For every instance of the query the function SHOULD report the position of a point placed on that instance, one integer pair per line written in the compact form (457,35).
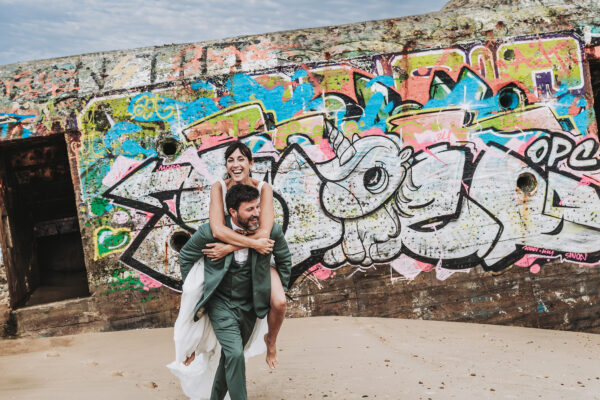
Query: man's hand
(263,245)
(216,251)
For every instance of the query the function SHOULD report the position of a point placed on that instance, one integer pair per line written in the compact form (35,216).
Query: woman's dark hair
(237,145)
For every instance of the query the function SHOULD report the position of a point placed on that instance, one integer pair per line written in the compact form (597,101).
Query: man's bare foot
(272,361)
(190,358)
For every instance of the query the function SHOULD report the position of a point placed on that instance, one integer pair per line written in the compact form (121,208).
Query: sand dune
(324,357)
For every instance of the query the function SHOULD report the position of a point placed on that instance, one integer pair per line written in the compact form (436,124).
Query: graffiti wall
(442,160)
(406,171)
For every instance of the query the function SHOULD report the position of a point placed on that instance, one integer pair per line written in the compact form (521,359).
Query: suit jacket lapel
(228,257)
(227,261)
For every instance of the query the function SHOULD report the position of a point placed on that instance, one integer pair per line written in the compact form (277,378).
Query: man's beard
(250,224)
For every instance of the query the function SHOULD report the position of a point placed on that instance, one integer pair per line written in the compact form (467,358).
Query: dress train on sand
(197,378)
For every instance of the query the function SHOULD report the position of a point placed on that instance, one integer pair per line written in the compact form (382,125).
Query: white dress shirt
(240,256)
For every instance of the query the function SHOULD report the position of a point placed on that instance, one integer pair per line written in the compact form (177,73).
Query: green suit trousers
(233,327)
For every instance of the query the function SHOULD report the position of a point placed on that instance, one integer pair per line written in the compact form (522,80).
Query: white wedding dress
(197,378)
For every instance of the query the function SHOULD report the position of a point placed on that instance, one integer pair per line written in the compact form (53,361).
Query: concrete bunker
(504,104)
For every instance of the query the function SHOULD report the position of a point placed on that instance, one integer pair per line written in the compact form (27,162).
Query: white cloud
(35,29)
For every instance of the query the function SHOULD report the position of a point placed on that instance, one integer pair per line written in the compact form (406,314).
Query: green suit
(232,316)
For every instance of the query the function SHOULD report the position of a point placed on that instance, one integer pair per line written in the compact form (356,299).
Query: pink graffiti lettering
(546,252)
(249,53)
(30,86)
(169,167)
(182,70)
(576,256)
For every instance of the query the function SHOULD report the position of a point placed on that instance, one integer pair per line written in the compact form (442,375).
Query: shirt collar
(234,226)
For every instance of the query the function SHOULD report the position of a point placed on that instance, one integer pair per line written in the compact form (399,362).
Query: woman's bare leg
(275,318)
(189,359)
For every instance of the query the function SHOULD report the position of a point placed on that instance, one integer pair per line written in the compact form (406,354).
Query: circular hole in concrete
(526,183)
(509,55)
(168,147)
(509,98)
(179,239)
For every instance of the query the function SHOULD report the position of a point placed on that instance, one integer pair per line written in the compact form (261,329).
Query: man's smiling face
(247,215)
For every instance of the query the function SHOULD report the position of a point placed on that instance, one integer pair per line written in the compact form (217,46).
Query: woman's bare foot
(189,359)
(272,361)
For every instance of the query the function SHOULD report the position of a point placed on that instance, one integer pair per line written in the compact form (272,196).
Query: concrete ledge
(115,311)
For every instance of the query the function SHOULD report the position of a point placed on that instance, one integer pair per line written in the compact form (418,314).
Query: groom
(237,287)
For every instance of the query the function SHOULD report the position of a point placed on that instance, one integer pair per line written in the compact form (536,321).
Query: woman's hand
(263,245)
(216,251)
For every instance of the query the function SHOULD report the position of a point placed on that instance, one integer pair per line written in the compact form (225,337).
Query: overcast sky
(37,29)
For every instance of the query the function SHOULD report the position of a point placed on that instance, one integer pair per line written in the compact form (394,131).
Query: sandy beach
(323,357)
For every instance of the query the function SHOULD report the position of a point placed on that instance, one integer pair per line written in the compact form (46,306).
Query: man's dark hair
(239,194)
(237,145)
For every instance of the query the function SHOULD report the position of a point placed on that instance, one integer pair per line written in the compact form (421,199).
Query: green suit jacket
(214,271)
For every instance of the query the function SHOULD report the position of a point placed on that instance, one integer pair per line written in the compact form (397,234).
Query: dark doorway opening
(595,79)
(41,241)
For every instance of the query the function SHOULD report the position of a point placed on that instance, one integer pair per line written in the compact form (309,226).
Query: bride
(197,350)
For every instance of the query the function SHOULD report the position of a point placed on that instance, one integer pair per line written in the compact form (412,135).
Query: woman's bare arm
(267,217)
(225,234)
(218,250)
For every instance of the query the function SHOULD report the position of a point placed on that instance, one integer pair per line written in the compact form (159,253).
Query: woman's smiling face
(238,166)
